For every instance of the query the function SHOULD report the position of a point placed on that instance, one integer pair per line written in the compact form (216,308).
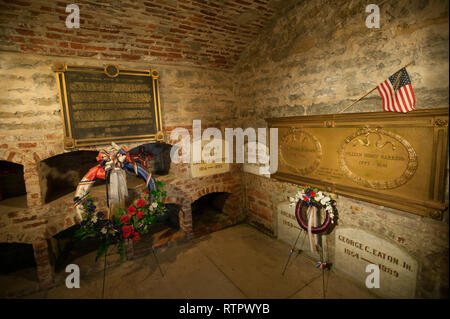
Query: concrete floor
(237,262)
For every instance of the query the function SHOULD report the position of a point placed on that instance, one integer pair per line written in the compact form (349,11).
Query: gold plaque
(390,159)
(104,104)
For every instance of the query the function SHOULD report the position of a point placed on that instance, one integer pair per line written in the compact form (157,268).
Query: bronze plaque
(390,159)
(103,104)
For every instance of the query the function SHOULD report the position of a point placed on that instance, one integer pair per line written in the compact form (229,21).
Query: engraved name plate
(355,249)
(390,159)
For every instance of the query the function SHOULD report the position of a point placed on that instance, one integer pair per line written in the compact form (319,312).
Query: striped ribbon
(312,222)
(148,179)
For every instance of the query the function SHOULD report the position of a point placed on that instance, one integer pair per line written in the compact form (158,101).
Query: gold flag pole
(363,96)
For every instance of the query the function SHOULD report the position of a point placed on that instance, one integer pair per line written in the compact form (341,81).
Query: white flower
(318,196)
(153,205)
(104,230)
(291,199)
(94,219)
(324,200)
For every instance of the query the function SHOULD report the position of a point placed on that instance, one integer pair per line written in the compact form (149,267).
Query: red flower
(135,237)
(127,231)
(124,219)
(140,215)
(131,210)
(306,199)
(140,203)
(312,193)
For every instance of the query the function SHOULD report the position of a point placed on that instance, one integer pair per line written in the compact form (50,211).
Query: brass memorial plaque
(104,104)
(390,159)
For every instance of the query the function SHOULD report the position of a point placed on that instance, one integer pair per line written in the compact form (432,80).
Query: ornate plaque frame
(390,159)
(97,83)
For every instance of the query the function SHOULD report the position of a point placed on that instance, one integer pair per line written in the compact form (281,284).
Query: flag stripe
(411,94)
(398,105)
(382,97)
(388,100)
(400,100)
(405,107)
(394,102)
(406,94)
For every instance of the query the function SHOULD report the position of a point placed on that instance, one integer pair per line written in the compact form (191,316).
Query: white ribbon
(118,189)
(312,222)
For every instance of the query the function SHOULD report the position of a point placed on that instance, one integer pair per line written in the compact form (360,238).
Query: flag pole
(363,96)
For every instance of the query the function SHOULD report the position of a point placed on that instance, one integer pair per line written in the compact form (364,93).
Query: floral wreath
(310,196)
(115,228)
(131,223)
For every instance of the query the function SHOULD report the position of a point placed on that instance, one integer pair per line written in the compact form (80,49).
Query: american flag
(397,93)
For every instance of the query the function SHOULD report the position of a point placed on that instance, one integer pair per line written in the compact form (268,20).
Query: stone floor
(236,262)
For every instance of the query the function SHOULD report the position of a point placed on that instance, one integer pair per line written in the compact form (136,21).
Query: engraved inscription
(102,106)
(377,159)
(300,151)
(356,248)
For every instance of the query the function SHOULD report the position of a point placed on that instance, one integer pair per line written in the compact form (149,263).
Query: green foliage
(128,223)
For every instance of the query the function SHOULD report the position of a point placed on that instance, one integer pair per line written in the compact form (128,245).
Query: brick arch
(13,156)
(221,188)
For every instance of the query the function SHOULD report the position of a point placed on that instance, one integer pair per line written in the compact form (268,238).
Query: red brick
(11,156)
(130,57)
(76,46)
(24,32)
(27,145)
(34,225)
(43,42)
(33,48)
(19,3)
(92,48)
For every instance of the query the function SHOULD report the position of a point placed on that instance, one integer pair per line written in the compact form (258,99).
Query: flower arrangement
(130,223)
(311,196)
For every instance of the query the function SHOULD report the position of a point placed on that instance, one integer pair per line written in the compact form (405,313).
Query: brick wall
(30,119)
(319,57)
(194,32)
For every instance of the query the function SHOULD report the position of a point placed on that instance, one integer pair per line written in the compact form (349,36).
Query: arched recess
(12,187)
(208,213)
(18,268)
(60,174)
(153,156)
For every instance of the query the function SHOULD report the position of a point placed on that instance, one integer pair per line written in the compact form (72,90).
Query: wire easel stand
(318,247)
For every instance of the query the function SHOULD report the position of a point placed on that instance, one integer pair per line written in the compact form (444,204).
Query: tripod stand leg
(290,253)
